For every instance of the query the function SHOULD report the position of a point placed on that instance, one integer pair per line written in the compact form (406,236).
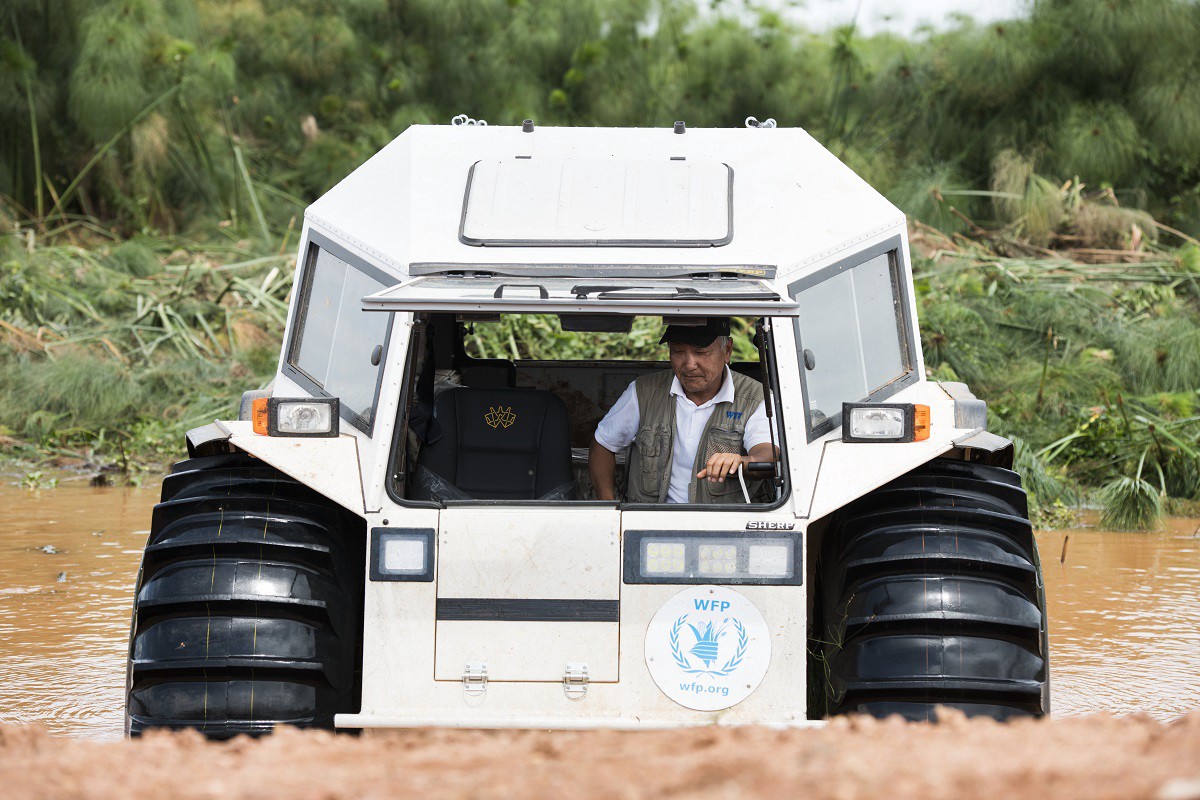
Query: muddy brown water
(1124,611)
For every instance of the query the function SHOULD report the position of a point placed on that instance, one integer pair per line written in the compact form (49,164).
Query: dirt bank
(1093,757)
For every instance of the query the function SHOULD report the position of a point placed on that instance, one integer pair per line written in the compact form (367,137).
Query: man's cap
(696,335)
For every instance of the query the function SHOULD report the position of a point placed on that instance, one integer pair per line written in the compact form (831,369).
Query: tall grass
(1094,368)
(120,347)
(173,116)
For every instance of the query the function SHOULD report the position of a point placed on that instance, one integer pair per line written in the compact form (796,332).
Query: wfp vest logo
(734,414)
(500,417)
(707,642)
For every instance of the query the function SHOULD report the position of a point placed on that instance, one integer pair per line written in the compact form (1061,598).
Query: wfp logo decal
(708,648)
(500,417)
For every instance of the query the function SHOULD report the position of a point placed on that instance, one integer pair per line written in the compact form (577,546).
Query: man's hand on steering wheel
(720,466)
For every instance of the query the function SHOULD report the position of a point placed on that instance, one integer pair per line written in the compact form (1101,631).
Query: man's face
(700,369)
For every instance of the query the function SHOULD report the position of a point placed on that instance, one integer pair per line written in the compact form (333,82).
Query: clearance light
(312,417)
(884,422)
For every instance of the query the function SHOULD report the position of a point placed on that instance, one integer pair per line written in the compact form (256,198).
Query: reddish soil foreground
(1082,757)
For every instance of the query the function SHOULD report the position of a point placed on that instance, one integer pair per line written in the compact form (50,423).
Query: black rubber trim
(470,608)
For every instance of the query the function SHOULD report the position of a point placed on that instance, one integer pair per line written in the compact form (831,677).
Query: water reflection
(1124,611)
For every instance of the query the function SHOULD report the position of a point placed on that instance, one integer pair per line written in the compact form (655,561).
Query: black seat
(488,373)
(497,444)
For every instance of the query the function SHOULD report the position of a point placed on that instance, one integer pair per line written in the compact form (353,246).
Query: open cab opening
(485,420)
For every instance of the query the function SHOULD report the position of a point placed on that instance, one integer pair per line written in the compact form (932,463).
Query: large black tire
(930,593)
(248,611)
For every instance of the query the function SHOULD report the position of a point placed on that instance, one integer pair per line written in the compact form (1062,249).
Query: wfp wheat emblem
(500,417)
(707,646)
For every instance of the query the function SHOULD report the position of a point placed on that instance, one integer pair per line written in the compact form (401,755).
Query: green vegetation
(116,349)
(173,115)
(155,156)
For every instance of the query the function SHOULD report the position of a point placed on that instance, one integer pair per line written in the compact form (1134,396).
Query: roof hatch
(594,202)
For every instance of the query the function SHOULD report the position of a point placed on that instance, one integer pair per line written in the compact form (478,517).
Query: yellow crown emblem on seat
(500,417)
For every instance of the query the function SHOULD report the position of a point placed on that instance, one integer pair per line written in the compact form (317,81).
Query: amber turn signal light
(259,415)
(920,422)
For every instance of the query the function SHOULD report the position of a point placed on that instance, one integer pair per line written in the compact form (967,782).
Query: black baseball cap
(696,335)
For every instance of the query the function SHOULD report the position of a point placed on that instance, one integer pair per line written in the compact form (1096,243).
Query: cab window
(853,322)
(333,338)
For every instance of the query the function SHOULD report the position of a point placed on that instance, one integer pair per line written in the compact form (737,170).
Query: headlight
(876,423)
(303,418)
(724,557)
(281,416)
(880,422)
(402,554)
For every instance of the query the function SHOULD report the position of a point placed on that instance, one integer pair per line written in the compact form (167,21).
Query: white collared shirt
(620,426)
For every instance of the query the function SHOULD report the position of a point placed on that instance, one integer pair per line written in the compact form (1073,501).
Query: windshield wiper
(623,292)
(686,294)
(582,290)
(614,292)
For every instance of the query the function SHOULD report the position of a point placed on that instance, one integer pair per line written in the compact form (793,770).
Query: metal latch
(575,681)
(475,678)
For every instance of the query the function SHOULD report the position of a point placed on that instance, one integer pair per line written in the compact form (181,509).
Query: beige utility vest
(650,455)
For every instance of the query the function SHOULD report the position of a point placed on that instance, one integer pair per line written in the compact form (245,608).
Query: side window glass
(853,321)
(334,337)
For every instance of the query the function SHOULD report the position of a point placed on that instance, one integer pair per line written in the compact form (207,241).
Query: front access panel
(528,592)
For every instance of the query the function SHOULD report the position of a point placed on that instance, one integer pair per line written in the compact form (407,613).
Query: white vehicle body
(527,617)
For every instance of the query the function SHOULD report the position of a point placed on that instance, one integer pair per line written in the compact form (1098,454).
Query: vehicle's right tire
(930,594)
(248,609)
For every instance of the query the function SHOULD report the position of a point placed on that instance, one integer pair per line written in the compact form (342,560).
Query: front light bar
(720,557)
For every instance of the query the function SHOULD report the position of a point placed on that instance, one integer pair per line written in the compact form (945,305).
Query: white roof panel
(793,203)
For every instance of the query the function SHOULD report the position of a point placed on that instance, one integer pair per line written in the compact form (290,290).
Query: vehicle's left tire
(248,609)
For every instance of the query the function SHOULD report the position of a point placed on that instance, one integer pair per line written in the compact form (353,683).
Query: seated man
(689,427)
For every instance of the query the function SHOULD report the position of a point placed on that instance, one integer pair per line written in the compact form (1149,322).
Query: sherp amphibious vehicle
(401,532)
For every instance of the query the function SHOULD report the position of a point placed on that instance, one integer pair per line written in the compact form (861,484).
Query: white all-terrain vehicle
(401,533)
